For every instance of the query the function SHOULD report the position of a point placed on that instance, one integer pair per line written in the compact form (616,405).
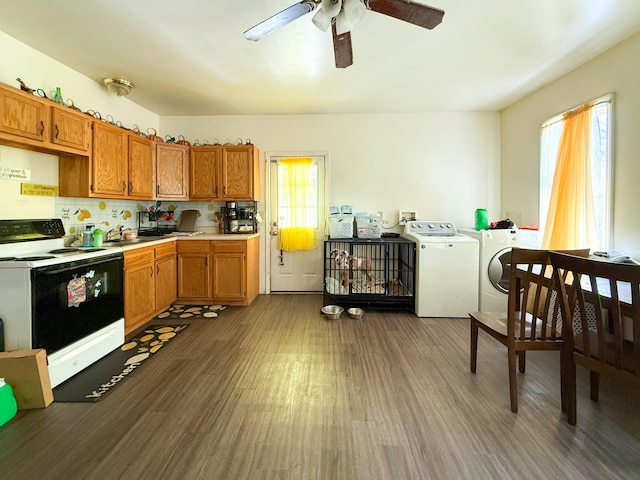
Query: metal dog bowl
(332,312)
(356,313)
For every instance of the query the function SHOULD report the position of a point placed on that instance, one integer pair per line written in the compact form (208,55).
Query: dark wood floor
(274,391)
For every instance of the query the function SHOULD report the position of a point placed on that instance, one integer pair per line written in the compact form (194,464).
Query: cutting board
(188,221)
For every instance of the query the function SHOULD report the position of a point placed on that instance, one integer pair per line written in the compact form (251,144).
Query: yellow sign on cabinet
(39,190)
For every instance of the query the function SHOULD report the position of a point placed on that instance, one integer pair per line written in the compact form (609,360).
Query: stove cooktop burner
(64,250)
(93,249)
(7,259)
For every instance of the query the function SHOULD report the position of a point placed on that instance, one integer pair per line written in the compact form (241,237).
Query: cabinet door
(139,294)
(166,281)
(239,173)
(70,129)
(109,160)
(229,277)
(204,173)
(23,116)
(141,169)
(194,281)
(172,171)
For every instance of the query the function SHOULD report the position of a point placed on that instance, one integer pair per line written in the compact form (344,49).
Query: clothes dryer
(495,252)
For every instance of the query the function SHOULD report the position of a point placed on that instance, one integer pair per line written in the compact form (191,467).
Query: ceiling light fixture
(119,86)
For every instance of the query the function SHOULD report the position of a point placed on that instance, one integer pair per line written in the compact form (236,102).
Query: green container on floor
(8,404)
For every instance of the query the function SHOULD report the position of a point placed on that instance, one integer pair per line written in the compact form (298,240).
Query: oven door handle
(74,265)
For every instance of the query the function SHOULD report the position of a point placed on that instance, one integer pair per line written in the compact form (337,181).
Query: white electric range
(68,301)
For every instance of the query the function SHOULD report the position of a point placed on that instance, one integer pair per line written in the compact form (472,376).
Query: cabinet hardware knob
(41,127)
(124,186)
(57,131)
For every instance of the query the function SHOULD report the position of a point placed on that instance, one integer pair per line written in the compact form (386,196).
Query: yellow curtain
(570,220)
(297,205)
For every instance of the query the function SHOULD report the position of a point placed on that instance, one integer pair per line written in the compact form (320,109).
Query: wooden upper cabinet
(70,129)
(23,115)
(172,171)
(205,173)
(240,171)
(141,168)
(109,160)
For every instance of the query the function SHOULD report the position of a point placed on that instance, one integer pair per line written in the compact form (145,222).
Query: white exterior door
(298,271)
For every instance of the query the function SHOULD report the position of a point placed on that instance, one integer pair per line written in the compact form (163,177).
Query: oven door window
(75,299)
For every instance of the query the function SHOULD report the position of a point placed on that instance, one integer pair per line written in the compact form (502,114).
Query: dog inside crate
(363,269)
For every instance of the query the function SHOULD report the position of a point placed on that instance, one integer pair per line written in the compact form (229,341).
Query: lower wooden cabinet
(149,283)
(220,271)
(191,271)
(166,275)
(235,271)
(194,278)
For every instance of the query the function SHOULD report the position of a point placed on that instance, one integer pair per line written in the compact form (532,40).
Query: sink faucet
(108,236)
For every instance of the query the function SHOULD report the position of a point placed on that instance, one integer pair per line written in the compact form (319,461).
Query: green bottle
(58,97)
(482,219)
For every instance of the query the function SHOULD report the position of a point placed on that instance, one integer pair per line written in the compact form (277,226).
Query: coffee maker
(239,217)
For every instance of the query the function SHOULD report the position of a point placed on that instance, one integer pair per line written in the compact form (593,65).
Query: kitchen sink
(117,241)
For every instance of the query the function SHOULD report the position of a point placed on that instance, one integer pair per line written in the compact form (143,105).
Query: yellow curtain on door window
(297,205)
(570,221)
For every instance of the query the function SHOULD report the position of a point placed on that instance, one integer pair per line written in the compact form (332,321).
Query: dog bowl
(356,313)
(332,312)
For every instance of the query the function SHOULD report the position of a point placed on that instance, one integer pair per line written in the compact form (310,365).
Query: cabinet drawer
(138,256)
(229,246)
(192,246)
(165,249)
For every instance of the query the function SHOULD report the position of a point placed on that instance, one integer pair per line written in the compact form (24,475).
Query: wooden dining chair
(532,320)
(610,343)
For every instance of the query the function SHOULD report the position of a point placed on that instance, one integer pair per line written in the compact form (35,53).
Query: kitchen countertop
(150,241)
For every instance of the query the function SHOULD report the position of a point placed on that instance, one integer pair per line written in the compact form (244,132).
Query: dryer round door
(498,270)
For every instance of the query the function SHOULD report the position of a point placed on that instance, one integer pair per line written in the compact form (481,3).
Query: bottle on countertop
(87,236)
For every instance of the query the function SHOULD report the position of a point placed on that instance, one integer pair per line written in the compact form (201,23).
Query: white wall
(39,71)
(444,165)
(617,71)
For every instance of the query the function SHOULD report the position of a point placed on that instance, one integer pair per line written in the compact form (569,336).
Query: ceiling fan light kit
(322,20)
(342,15)
(353,10)
(120,86)
(331,7)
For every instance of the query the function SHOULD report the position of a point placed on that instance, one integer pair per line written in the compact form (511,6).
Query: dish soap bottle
(87,236)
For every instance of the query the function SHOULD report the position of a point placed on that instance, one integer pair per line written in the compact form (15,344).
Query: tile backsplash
(107,214)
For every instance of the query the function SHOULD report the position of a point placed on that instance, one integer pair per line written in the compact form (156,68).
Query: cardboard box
(28,374)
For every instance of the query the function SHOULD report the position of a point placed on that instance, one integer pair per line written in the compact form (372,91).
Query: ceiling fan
(341,15)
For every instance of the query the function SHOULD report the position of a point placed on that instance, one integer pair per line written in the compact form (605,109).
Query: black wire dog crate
(370,273)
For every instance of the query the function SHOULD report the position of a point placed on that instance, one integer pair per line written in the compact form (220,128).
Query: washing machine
(446,269)
(495,250)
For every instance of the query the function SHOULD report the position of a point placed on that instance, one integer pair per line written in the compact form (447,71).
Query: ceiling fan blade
(421,15)
(279,20)
(342,47)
